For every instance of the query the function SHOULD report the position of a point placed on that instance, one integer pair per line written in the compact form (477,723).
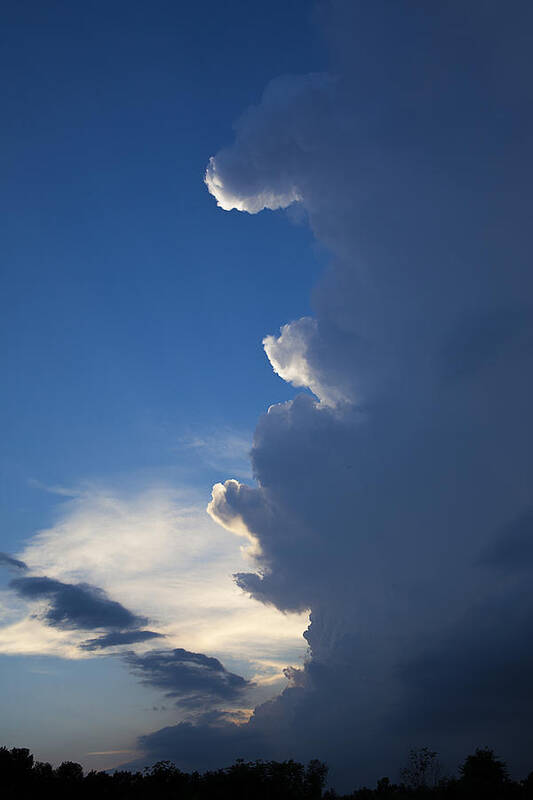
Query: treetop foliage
(482,776)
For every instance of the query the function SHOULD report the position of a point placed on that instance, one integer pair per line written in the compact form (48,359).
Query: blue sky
(115,257)
(266,425)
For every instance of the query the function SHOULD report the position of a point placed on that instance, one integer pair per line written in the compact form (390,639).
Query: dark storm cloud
(196,680)
(477,675)
(473,683)
(77,605)
(202,746)
(479,338)
(512,548)
(398,507)
(119,638)
(12,563)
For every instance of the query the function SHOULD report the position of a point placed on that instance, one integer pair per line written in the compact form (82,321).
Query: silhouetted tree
(42,770)
(315,778)
(422,769)
(69,772)
(15,770)
(383,786)
(527,786)
(484,775)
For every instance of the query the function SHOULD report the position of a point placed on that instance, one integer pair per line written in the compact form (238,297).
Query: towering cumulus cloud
(394,499)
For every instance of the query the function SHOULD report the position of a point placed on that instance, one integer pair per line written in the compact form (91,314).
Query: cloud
(272,139)
(223,449)
(29,634)
(472,682)
(289,355)
(273,199)
(201,746)
(76,605)
(196,680)
(512,547)
(157,554)
(118,638)
(59,612)
(395,506)
(12,563)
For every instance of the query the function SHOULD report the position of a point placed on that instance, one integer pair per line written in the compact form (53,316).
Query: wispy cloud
(224,449)
(13,564)
(157,555)
(119,639)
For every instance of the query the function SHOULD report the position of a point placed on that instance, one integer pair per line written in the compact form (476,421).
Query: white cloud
(289,356)
(262,169)
(30,636)
(229,200)
(220,508)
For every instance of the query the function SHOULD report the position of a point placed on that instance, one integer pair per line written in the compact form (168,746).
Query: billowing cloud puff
(224,503)
(261,169)
(226,199)
(289,355)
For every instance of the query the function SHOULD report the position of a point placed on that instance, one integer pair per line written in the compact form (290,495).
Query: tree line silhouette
(482,776)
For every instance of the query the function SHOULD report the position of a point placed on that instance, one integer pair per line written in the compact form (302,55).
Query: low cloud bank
(195,680)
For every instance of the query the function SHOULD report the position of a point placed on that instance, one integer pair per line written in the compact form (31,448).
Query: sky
(267,325)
